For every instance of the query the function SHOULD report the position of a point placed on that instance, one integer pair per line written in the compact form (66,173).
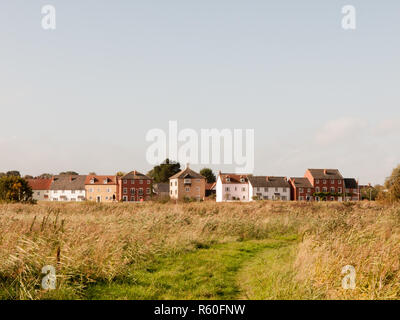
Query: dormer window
(105,181)
(92,181)
(228,179)
(242,180)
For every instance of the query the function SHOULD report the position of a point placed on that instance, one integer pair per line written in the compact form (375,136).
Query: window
(283,189)
(187,181)
(301,190)
(147,190)
(276,189)
(187,189)
(140,190)
(125,181)
(241,179)
(171,192)
(339,182)
(176,183)
(243,189)
(125,190)
(124,198)
(105,181)
(171,183)
(106,198)
(266,190)
(340,190)
(332,189)
(132,198)
(148,181)
(244,197)
(316,180)
(227,189)
(108,190)
(308,190)
(258,189)
(301,198)
(198,188)
(73,191)
(324,189)
(141,181)
(332,198)
(324,181)
(228,179)
(317,189)
(132,190)
(284,198)
(132,181)
(332,181)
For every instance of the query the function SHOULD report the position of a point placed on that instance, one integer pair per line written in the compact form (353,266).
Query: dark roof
(99,180)
(325,173)
(135,175)
(301,182)
(266,181)
(40,184)
(161,187)
(68,182)
(233,178)
(350,183)
(187,174)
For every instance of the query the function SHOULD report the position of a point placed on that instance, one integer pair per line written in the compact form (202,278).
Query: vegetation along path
(236,270)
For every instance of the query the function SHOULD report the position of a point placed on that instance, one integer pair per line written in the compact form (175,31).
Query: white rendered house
(232,187)
(269,188)
(68,188)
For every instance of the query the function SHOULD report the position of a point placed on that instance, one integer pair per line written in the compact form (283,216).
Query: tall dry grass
(99,242)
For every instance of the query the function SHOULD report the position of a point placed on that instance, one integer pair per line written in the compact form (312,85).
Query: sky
(83,97)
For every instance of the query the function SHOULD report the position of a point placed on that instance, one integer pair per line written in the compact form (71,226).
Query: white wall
(270,193)
(55,195)
(239,190)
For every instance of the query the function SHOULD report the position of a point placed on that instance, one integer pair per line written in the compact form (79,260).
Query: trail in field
(224,271)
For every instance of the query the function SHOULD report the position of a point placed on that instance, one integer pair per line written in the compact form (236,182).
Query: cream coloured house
(187,184)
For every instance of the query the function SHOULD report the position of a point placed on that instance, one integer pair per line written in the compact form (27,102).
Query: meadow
(207,250)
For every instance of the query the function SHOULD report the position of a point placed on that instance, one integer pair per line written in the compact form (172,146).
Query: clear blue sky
(83,97)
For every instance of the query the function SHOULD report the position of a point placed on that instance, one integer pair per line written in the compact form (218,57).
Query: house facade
(301,189)
(40,188)
(101,188)
(232,187)
(68,188)
(187,184)
(352,190)
(134,187)
(269,188)
(328,184)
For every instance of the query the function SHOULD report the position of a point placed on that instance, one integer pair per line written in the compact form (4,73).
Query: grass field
(260,250)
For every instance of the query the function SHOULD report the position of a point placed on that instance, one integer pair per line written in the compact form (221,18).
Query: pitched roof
(40,184)
(68,182)
(211,186)
(135,175)
(266,181)
(233,178)
(101,180)
(187,174)
(161,187)
(301,182)
(350,183)
(325,173)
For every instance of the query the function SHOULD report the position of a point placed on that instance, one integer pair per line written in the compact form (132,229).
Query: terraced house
(134,187)
(40,188)
(68,188)
(328,184)
(301,189)
(101,188)
(269,188)
(232,187)
(187,184)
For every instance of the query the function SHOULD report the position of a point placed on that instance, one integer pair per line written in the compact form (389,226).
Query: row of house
(315,185)
(132,187)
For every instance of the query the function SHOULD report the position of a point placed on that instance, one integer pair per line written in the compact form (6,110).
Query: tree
(371,193)
(2,174)
(164,171)
(120,174)
(27,176)
(45,176)
(392,184)
(92,174)
(69,173)
(15,189)
(208,174)
(13,173)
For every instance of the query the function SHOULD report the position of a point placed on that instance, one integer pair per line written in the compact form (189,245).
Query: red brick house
(134,187)
(328,184)
(301,189)
(352,189)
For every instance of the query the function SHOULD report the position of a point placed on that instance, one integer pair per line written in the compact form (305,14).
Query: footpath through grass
(236,270)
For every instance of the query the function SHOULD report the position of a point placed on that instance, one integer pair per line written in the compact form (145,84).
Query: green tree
(120,174)
(13,173)
(15,189)
(45,176)
(208,174)
(69,173)
(164,171)
(2,174)
(392,184)
(371,193)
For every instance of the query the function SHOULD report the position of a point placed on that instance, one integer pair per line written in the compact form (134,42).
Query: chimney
(325,171)
(187,166)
